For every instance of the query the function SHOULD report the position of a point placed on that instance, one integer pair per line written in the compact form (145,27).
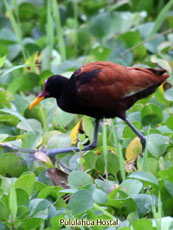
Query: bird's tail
(159,72)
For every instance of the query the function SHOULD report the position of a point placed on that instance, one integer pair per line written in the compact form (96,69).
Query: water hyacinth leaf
(101,53)
(33,123)
(128,133)
(59,141)
(169,94)
(62,118)
(13,201)
(152,165)
(100,25)
(2,60)
(99,196)
(31,223)
(78,179)
(7,36)
(145,177)
(169,187)
(20,103)
(161,17)
(157,145)
(131,39)
(151,114)
(31,140)
(80,202)
(38,207)
(112,164)
(133,148)
(3,137)
(89,160)
(26,182)
(44,158)
(143,224)
(3,211)
(74,133)
(131,186)
(88,127)
(166,223)
(49,192)
(143,202)
(48,135)
(12,165)
(169,122)
(5,98)
(19,116)
(142,5)
(29,81)
(22,197)
(166,174)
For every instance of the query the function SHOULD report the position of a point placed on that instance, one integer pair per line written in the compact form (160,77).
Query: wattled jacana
(101,89)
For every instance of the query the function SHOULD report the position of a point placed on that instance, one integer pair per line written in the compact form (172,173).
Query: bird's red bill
(36,101)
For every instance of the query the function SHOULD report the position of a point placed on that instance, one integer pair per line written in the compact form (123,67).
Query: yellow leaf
(74,133)
(44,158)
(133,148)
(34,59)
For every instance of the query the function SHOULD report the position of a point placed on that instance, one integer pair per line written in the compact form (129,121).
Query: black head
(53,87)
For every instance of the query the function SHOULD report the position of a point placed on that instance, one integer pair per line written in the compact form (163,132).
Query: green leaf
(49,192)
(12,165)
(151,114)
(5,98)
(157,145)
(15,68)
(161,17)
(131,39)
(145,177)
(26,182)
(3,211)
(152,165)
(128,133)
(3,226)
(100,25)
(78,179)
(88,127)
(31,223)
(169,94)
(33,123)
(13,201)
(143,202)
(166,174)
(143,224)
(2,60)
(112,164)
(20,103)
(22,197)
(38,207)
(80,202)
(19,116)
(31,140)
(142,5)
(121,200)
(131,186)
(169,122)
(62,118)
(59,141)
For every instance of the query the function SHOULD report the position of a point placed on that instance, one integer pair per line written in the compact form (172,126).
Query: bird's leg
(141,137)
(53,152)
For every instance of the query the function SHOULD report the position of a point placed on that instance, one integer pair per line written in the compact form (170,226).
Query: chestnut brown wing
(100,83)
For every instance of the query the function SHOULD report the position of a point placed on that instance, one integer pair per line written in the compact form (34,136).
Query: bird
(101,89)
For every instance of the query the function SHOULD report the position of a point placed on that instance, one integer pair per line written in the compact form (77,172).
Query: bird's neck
(59,86)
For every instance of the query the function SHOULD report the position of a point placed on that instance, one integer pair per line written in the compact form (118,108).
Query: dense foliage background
(40,38)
